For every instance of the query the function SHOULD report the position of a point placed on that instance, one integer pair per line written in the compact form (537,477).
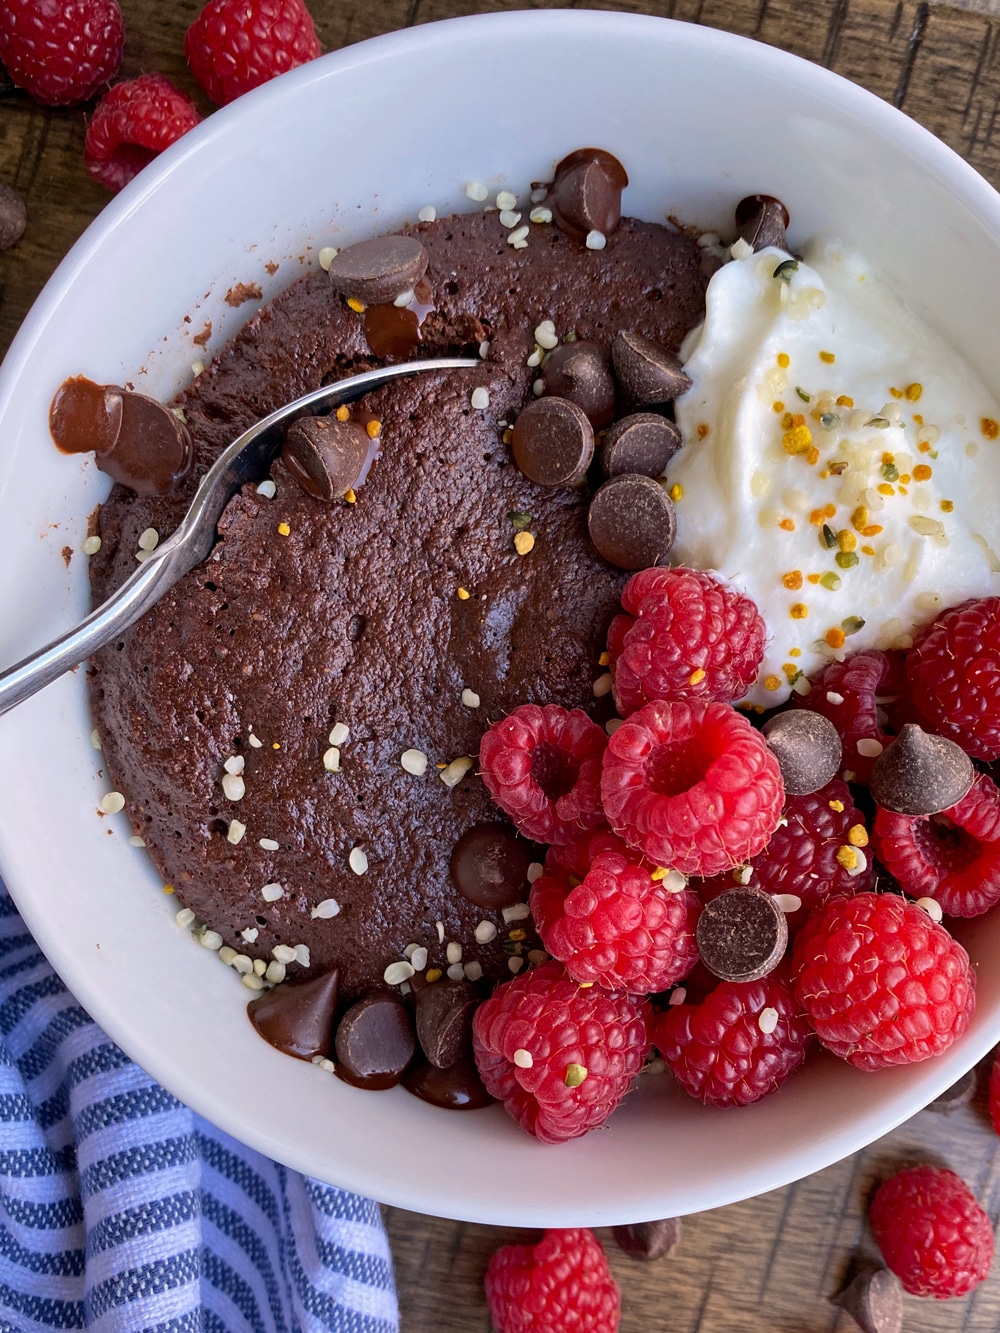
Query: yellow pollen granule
(276,745)
(661,872)
(947,506)
(799,611)
(924,447)
(827,357)
(168,888)
(903,490)
(918,419)
(798,419)
(885,489)
(846,539)
(355,305)
(772,683)
(703,429)
(374,429)
(464,594)
(523,542)
(432,974)
(778,406)
(783,360)
(905,479)
(922,472)
(829,510)
(817,518)
(871,530)
(888,458)
(351,497)
(835,638)
(859,518)
(847,857)
(797,440)
(787,525)
(813,578)
(603,660)
(283,529)
(868,550)
(844,401)
(676,492)
(857,835)
(786,421)
(518,935)
(696,676)
(896,393)
(837,807)
(812,455)
(795,652)
(913,392)
(792,581)
(343,413)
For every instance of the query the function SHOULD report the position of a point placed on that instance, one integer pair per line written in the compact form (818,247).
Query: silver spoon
(248,458)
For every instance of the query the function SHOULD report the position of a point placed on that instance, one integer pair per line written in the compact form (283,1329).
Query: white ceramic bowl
(351,144)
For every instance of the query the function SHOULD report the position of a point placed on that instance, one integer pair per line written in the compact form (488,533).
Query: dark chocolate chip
(807,747)
(375,1041)
(741,935)
(444,1021)
(153,451)
(959,1094)
(376,272)
(920,774)
(586,194)
(874,1300)
(489,866)
(297,1016)
(644,443)
(763,221)
(581,372)
(650,1240)
(13,216)
(553,442)
(326,456)
(631,521)
(458,1088)
(647,373)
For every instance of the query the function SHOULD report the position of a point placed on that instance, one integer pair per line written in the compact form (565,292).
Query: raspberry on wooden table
(692,785)
(563,1283)
(845,692)
(236,45)
(932,1232)
(61,51)
(993,1093)
(134,122)
(685,635)
(953,671)
(560,1056)
(881,983)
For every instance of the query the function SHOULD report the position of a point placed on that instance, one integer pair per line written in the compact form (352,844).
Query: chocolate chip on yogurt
(581,372)
(489,866)
(631,521)
(297,1016)
(553,442)
(650,1240)
(648,374)
(644,442)
(374,1041)
(741,935)
(874,1300)
(326,456)
(444,1021)
(920,774)
(13,216)
(377,271)
(807,747)
(762,221)
(586,194)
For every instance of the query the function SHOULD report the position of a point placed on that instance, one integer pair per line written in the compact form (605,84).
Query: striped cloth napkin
(122,1211)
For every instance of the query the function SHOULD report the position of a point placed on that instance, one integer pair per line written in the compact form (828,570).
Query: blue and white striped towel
(122,1211)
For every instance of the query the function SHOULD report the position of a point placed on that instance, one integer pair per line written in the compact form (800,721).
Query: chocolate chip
(874,1300)
(631,521)
(326,456)
(741,935)
(153,451)
(553,442)
(807,747)
(297,1016)
(13,216)
(648,374)
(489,866)
(458,1088)
(444,1021)
(644,442)
(762,221)
(376,272)
(375,1041)
(959,1094)
(581,372)
(920,774)
(586,194)
(650,1240)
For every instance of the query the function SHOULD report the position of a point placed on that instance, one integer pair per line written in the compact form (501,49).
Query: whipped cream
(841,463)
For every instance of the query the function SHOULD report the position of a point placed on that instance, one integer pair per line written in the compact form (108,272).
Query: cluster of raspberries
(679,799)
(65,51)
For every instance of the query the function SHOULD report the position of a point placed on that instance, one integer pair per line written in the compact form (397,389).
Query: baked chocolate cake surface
(354,616)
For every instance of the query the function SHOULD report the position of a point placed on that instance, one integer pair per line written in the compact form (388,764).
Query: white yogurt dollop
(841,464)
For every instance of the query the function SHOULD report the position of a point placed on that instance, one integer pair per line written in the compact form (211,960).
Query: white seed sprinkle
(932,907)
(340,734)
(473,971)
(235,764)
(136,841)
(226,955)
(283,953)
(515,964)
(331,759)
(142,556)
(327,1066)
(418,959)
(259,967)
(233,787)
(540,214)
(535,871)
(149,539)
(267,489)
(538,388)
(236,832)
(427,214)
(674,882)
(326,257)
(91,545)
(767,1019)
(802,685)
(485,932)
(302,956)
(476,190)
(480,398)
(404,298)
(396,973)
(439,925)
(323,911)
(596,240)
(184,918)
(455,771)
(612,725)
(112,802)
(741,249)
(210,939)
(456,972)
(832,697)
(242,964)
(535,359)
(253,982)
(250,934)
(414,761)
(268,844)
(509,219)
(255,741)
(523,1058)
(275,973)
(358,861)
(470,698)
(484,349)
(197,368)
(539,193)
(678,995)
(453,952)
(516,912)
(516,237)
(95,739)
(546,336)
(506,199)
(869,747)
(860,863)
(272,892)
(602,685)
(788,902)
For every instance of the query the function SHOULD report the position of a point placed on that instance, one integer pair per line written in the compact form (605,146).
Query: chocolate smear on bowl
(553,442)
(586,193)
(762,221)
(741,935)
(296,1017)
(377,271)
(374,1041)
(581,373)
(458,1088)
(644,442)
(807,747)
(631,521)
(874,1300)
(649,375)
(326,456)
(444,1013)
(13,216)
(920,774)
(650,1240)
(489,866)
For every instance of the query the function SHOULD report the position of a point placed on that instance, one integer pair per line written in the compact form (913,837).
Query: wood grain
(771,1264)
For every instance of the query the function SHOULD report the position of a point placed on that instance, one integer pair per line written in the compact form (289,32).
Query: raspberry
(687,636)
(853,685)
(881,983)
(561,1283)
(932,1232)
(574,859)
(718,1051)
(543,767)
(61,51)
(559,1056)
(692,785)
(953,857)
(235,45)
(618,928)
(994,1093)
(134,122)
(953,670)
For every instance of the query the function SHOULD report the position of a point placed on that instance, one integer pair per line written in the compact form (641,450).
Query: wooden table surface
(771,1264)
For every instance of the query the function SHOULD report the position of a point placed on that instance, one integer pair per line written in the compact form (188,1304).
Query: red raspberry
(543,767)
(61,51)
(994,1093)
(692,785)
(932,1232)
(687,636)
(717,1049)
(853,685)
(881,983)
(573,859)
(953,670)
(953,857)
(235,45)
(561,1283)
(134,122)
(541,1029)
(618,928)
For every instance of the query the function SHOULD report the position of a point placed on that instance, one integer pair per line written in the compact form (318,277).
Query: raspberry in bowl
(85,888)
